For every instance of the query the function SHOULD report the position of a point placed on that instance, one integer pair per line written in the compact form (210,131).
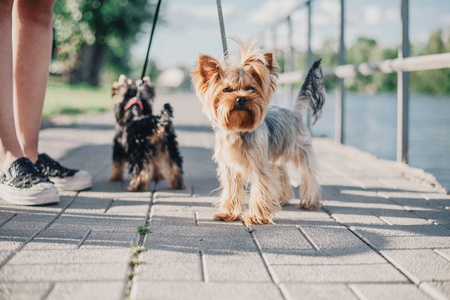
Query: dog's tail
(312,93)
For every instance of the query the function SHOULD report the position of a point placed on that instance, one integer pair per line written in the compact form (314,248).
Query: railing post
(288,62)
(309,56)
(340,100)
(403,88)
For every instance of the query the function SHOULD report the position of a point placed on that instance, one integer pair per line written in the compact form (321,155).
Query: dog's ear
(271,64)
(115,88)
(122,79)
(208,67)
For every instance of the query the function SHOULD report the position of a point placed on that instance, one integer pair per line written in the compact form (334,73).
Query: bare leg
(32,42)
(9,145)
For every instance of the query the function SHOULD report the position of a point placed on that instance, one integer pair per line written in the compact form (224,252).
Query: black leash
(155,18)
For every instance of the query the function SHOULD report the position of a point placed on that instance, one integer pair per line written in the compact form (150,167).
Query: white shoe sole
(43,193)
(82,180)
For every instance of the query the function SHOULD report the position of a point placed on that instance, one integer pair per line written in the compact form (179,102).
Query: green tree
(90,34)
(432,81)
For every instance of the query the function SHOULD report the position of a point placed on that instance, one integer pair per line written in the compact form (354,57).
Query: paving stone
(65,257)
(224,237)
(353,256)
(275,239)
(110,239)
(170,265)
(390,291)
(23,290)
(422,264)
(183,204)
(407,237)
(337,273)
(172,218)
(232,266)
(201,290)
(87,290)
(438,289)
(63,272)
(318,291)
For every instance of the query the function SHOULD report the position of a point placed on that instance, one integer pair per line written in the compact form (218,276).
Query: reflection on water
(370,125)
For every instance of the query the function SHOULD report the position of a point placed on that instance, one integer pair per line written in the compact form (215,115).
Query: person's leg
(32,42)
(10,149)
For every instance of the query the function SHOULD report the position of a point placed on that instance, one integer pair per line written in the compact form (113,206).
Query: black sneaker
(64,178)
(23,184)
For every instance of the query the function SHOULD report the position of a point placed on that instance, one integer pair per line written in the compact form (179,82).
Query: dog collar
(133,101)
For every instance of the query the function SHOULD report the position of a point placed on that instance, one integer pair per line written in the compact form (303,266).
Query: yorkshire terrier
(255,139)
(146,141)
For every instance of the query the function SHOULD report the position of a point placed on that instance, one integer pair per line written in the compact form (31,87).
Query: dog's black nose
(241,101)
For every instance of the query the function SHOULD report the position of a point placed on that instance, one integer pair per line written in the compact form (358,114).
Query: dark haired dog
(146,141)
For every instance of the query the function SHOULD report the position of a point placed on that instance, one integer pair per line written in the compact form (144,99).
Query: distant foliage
(367,50)
(433,81)
(91,34)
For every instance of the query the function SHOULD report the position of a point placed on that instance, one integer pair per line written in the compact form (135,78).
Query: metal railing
(402,66)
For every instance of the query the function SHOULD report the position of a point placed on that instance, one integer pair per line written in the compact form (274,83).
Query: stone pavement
(383,233)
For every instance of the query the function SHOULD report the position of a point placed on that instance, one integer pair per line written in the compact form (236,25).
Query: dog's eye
(249,88)
(227,90)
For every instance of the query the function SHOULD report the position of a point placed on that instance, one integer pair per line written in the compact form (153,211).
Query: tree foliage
(89,34)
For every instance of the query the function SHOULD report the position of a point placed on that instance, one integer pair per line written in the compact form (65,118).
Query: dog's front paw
(310,205)
(227,217)
(255,220)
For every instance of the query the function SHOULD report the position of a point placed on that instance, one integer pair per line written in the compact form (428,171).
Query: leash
(222,29)
(155,18)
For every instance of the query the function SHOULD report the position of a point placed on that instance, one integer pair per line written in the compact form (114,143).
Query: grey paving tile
(319,291)
(226,237)
(87,290)
(422,265)
(172,218)
(169,265)
(338,273)
(23,290)
(60,272)
(407,237)
(201,290)
(233,266)
(437,289)
(390,291)
(353,256)
(67,257)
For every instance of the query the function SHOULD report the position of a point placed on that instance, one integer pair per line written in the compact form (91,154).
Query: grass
(73,100)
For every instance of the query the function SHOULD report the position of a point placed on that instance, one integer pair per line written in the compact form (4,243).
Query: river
(370,125)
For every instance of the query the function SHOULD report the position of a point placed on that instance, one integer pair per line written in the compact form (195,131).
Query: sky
(191,27)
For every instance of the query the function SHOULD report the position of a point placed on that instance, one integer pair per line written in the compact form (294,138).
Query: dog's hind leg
(286,190)
(306,162)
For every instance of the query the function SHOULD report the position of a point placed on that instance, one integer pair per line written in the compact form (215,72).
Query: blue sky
(191,27)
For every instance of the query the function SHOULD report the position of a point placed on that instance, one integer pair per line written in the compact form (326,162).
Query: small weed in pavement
(143,230)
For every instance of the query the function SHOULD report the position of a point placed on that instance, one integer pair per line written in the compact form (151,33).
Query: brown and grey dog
(145,141)
(253,139)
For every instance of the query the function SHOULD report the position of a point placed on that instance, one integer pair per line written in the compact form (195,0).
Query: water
(371,125)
